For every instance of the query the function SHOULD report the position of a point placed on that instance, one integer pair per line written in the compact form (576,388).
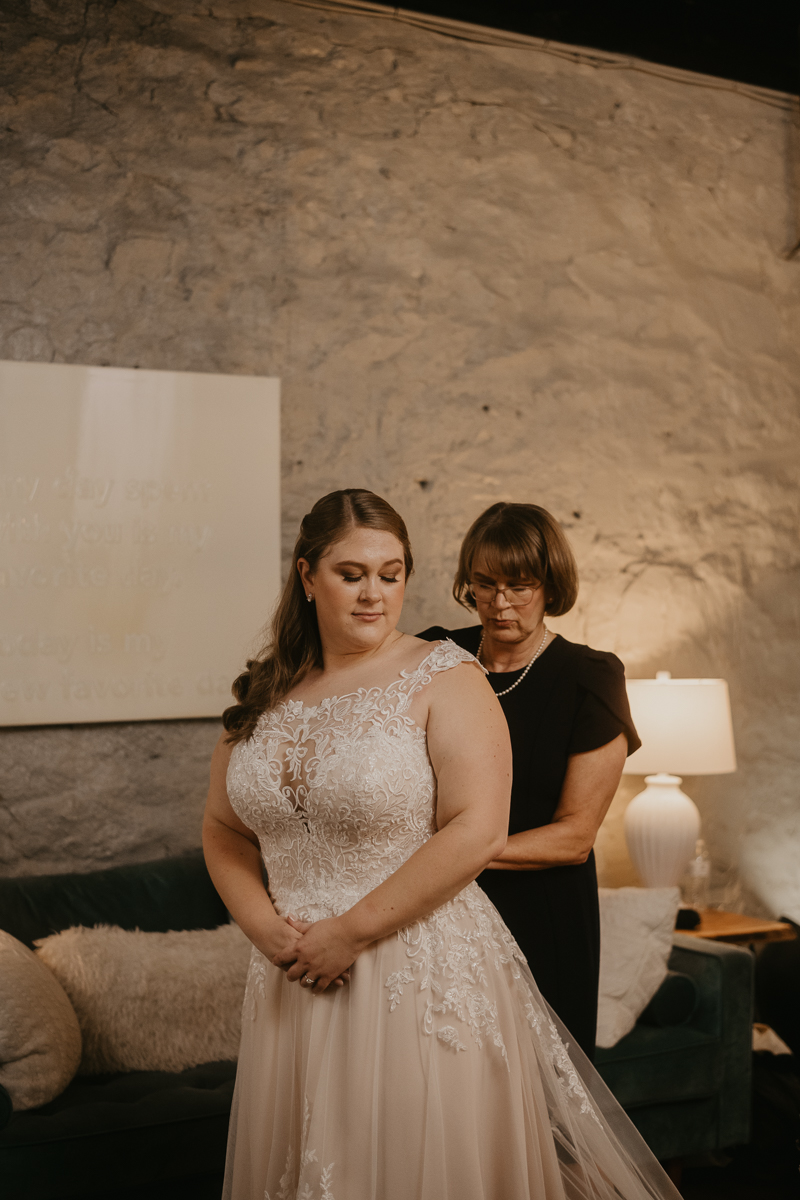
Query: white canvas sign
(139,539)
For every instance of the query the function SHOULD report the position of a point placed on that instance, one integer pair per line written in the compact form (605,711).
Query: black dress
(572,700)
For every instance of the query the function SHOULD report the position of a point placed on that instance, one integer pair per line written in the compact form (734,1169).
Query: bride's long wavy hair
(293,646)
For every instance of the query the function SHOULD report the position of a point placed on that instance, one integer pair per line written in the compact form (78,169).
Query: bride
(394,1044)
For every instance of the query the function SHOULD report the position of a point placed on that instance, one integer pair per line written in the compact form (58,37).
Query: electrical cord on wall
(599,59)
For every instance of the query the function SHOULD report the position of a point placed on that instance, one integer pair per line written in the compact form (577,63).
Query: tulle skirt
(437,1073)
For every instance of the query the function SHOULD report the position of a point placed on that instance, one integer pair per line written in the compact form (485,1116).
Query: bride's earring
(309,597)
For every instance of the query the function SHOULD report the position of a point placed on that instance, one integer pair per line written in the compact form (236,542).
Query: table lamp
(685,726)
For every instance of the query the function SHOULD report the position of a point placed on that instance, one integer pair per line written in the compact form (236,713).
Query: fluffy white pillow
(636,927)
(152,1001)
(40,1039)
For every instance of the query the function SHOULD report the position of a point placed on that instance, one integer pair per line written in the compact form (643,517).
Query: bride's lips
(368,616)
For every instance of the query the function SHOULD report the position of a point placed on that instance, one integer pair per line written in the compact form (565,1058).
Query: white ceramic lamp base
(662,826)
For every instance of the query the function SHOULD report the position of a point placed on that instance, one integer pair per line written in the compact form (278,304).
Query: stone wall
(77,797)
(482,272)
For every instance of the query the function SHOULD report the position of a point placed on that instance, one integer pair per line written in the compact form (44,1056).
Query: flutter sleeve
(603,711)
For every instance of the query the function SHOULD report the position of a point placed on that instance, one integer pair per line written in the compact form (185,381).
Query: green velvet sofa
(142,1135)
(161,1136)
(687,1087)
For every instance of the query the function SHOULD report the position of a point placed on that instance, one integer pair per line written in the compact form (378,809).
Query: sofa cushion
(171,893)
(674,1003)
(40,1039)
(636,928)
(651,1065)
(98,1104)
(139,1127)
(680,1129)
(152,1001)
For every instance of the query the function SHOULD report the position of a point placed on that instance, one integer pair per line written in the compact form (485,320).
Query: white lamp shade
(685,726)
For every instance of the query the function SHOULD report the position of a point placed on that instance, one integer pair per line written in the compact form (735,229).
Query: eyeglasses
(515,596)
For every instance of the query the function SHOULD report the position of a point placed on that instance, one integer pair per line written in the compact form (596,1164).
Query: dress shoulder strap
(443,656)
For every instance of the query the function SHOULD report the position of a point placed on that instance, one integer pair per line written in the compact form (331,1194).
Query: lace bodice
(340,793)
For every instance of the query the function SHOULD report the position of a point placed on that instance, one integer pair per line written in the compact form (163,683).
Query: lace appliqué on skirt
(256,983)
(288,1188)
(450,957)
(450,954)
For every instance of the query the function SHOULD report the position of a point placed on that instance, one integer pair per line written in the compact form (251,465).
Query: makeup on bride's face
(358,588)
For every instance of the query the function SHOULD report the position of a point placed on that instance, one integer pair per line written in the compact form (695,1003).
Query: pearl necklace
(525,672)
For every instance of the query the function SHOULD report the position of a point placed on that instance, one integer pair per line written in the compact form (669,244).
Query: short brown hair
(520,541)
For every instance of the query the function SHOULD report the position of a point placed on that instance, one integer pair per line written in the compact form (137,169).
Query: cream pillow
(40,1039)
(636,927)
(152,1001)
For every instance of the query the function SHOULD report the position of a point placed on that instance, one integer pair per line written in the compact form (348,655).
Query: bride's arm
(470,751)
(233,859)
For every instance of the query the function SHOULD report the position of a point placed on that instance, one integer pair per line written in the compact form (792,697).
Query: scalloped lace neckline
(363,692)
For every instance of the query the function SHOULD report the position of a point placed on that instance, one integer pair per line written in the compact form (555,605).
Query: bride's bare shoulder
(414,650)
(463,711)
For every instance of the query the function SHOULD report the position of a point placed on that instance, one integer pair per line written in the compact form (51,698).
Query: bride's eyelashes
(358,578)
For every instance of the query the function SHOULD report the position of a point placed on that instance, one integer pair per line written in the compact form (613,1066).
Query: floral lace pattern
(566,1075)
(340,795)
(288,1189)
(450,954)
(256,983)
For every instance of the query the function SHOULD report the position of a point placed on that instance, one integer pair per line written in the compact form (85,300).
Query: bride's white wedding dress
(438,1072)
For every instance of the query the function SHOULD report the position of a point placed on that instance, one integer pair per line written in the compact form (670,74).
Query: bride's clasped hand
(324,953)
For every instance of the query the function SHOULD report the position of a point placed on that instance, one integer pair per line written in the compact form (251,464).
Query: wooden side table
(724,926)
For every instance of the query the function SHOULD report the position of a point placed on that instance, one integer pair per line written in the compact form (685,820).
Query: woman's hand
(303,927)
(277,942)
(324,952)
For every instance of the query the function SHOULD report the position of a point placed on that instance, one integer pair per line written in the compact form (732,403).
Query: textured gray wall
(76,797)
(481,273)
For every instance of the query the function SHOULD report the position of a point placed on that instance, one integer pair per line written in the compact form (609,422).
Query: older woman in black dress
(571,729)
